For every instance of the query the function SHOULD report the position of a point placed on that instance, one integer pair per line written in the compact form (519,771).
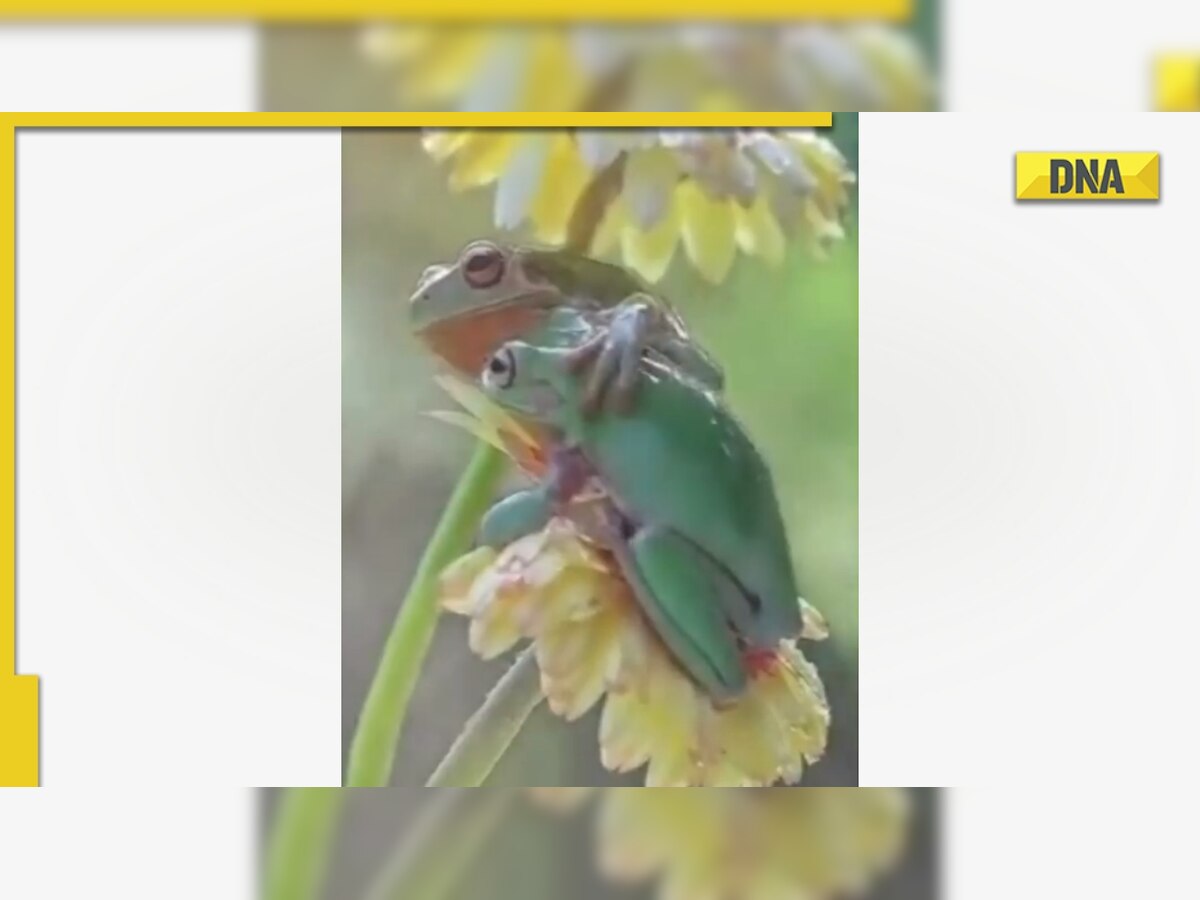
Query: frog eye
(501,369)
(483,265)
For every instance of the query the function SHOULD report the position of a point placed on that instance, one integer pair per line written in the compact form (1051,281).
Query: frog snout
(430,275)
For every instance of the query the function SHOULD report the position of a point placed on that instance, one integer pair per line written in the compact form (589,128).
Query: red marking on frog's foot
(760,661)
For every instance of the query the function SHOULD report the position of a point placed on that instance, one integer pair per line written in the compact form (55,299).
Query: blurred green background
(787,338)
(536,855)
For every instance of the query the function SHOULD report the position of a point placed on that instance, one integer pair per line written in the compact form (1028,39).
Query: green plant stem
(301,836)
(491,730)
(373,749)
(437,850)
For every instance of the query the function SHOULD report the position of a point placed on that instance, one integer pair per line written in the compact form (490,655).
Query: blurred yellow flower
(714,192)
(591,641)
(765,844)
(804,66)
(559,799)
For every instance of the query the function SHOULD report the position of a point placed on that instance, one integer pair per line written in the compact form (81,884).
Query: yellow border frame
(19,694)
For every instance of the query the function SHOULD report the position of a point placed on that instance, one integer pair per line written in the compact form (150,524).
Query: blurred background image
(692,844)
(782,319)
(793,65)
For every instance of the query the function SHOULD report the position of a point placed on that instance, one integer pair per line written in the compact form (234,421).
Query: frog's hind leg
(684,604)
(742,609)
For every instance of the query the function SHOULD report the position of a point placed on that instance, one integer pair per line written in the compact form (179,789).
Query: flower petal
(455,582)
(563,179)
(598,147)
(780,159)
(482,158)
(757,232)
(650,177)
(648,252)
(474,401)
(496,81)
(707,229)
(521,181)
(442,64)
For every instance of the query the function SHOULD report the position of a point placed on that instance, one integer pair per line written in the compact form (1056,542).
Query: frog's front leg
(614,354)
(530,510)
(517,515)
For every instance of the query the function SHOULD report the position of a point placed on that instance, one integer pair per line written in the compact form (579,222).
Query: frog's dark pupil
(479,261)
(498,366)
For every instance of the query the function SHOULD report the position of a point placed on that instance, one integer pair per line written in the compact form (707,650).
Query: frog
(494,292)
(690,514)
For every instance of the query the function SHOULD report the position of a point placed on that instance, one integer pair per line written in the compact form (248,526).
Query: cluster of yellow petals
(753,845)
(709,193)
(766,844)
(714,218)
(734,204)
(797,65)
(592,642)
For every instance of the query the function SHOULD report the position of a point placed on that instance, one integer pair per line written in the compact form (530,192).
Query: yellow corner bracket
(19,694)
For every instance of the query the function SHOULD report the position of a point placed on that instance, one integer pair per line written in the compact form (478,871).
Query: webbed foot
(613,357)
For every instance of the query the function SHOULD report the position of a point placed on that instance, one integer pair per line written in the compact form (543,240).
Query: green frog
(494,293)
(690,512)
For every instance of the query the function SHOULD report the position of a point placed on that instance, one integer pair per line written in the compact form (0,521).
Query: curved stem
(490,732)
(301,836)
(592,204)
(438,848)
(373,749)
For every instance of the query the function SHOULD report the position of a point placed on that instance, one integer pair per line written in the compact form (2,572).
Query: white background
(1028,502)
(179,414)
(1029,480)
(1025,55)
(85,68)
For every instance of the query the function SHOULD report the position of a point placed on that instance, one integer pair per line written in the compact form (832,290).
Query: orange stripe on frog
(467,342)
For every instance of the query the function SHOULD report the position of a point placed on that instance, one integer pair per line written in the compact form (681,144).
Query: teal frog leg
(672,585)
(530,510)
(740,607)
(517,515)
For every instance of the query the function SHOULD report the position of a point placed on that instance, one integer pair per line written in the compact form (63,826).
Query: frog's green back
(681,459)
(582,277)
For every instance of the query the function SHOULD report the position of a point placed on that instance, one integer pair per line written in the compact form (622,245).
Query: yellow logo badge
(1087,175)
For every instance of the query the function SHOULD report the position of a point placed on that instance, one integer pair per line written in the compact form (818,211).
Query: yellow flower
(675,67)
(752,845)
(592,642)
(714,192)
(480,67)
